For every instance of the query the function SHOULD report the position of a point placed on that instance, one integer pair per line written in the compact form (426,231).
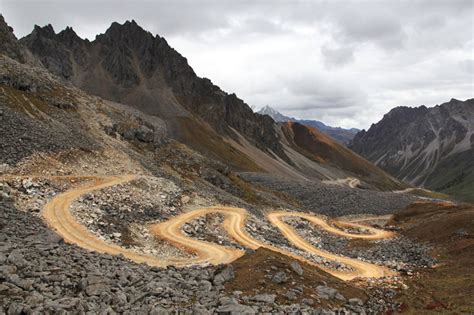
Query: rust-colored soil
(253,272)
(449,288)
(322,149)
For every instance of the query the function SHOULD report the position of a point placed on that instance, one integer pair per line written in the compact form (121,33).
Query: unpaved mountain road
(350,182)
(58,216)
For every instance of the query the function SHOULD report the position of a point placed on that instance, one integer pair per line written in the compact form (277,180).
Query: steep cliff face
(10,47)
(424,146)
(129,65)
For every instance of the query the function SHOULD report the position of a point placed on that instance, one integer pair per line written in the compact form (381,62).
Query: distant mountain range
(339,134)
(430,147)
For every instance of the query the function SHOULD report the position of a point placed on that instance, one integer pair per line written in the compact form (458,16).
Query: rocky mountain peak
(69,36)
(128,33)
(5,28)
(6,34)
(46,31)
(419,144)
(405,110)
(10,47)
(142,70)
(276,115)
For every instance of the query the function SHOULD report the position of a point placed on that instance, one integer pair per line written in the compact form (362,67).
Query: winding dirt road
(350,182)
(58,216)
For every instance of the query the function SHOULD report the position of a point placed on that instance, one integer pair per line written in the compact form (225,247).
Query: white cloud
(343,62)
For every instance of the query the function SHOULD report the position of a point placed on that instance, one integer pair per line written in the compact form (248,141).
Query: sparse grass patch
(203,139)
(448,288)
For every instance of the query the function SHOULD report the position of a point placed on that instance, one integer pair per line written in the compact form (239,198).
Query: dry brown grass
(322,149)
(449,288)
(251,271)
(24,102)
(203,139)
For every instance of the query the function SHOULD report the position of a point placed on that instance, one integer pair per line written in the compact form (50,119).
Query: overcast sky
(343,62)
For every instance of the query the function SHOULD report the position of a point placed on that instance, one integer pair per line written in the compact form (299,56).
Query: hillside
(341,135)
(129,65)
(130,185)
(428,147)
(324,150)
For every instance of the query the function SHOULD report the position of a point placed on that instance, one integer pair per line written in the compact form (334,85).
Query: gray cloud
(337,56)
(343,62)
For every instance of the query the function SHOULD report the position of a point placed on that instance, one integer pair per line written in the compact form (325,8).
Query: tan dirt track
(59,217)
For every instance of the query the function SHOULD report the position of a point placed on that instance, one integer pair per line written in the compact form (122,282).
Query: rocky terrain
(429,147)
(401,254)
(160,67)
(185,145)
(330,200)
(196,112)
(41,273)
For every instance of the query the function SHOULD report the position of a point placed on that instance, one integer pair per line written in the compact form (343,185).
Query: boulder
(235,309)
(279,277)
(16,258)
(296,267)
(356,302)
(327,293)
(96,289)
(145,134)
(224,275)
(265,298)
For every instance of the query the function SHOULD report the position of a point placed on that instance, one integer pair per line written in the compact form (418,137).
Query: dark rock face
(411,143)
(54,55)
(141,70)
(10,47)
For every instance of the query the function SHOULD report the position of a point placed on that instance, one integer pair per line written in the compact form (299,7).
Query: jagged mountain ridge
(430,147)
(342,135)
(129,65)
(49,127)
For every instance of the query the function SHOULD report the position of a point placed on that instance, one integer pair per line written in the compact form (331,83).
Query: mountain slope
(129,65)
(324,150)
(429,147)
(342,135)
(10,46)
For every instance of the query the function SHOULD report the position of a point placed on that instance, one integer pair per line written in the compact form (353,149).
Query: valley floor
(301,266)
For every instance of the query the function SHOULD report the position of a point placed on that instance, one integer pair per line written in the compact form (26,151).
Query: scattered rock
(326,293)
(355,301)
(16,258)
(296,267)
(235,309)
(96,289)
(280,277)
(265,298)
(291,295)
(225,275)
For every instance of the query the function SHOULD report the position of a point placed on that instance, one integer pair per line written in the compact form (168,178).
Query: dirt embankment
(449,228)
